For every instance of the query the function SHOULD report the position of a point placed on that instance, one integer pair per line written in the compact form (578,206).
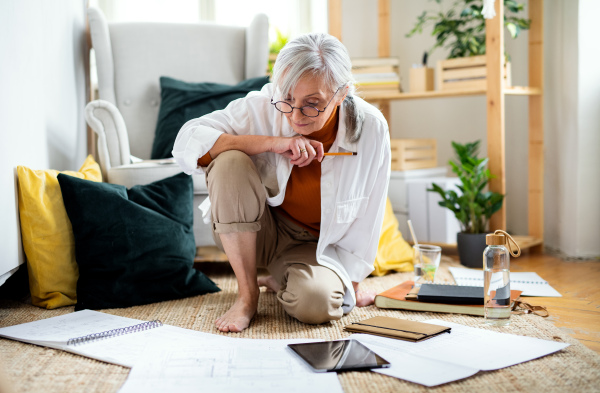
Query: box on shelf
(410,154)
(420,79)
(466,73)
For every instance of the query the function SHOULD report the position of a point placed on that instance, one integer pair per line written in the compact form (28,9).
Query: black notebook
(450,294)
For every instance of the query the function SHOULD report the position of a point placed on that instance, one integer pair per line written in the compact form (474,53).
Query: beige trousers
(309,292)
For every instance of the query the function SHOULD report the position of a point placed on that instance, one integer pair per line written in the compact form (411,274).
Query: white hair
(325,57)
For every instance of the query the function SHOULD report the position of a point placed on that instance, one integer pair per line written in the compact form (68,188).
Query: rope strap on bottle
(509,239)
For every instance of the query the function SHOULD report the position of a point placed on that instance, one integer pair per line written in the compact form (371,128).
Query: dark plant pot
(470,248)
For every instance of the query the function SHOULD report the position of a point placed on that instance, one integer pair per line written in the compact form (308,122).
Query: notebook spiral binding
(114,332)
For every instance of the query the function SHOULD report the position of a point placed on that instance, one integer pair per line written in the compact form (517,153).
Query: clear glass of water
(426,261)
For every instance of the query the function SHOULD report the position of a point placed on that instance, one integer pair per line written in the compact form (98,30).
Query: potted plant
(474,205)
(462,28)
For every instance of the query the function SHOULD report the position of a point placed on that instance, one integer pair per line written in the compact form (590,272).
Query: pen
(350,153)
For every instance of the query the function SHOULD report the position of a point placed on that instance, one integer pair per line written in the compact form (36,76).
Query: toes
(220,323)
(223,326)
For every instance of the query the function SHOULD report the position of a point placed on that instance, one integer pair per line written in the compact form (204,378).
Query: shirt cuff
(356,268)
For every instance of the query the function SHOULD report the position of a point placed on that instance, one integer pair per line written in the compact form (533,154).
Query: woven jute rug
(33,368)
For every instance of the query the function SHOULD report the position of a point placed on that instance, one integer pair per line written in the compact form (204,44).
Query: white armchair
(130,59)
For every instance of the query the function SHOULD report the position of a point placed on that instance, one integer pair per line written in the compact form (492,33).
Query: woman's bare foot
(365,298)
(269,282)
(238,317)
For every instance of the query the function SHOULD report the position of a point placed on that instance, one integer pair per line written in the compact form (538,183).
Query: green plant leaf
(461,29)
(472,205)
(512,29)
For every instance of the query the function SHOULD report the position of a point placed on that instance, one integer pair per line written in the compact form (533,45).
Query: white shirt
(353,188)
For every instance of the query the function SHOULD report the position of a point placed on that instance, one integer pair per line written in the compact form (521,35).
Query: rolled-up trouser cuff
(236,227)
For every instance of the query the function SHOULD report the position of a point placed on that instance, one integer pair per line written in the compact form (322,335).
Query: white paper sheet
(412,367)
(484,349)
(129,350)
(232,365)
(466,348)
(125,350)
(529,282)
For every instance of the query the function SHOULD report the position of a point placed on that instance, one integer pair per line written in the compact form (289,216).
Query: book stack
(439,298)
(377,74)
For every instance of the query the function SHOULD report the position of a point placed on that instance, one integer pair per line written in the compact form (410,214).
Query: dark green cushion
(133,246)
(182,101)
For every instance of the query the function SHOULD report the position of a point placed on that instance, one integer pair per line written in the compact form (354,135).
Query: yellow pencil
(341,154)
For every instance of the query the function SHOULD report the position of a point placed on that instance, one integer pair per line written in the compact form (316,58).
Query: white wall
(463,119)
(42,98)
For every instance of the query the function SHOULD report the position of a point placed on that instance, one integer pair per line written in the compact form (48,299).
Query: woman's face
(311,91)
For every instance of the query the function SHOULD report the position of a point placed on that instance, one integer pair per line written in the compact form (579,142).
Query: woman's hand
(300,150)
(364,298)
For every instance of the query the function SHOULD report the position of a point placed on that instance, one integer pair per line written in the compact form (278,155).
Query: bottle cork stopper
(495,240)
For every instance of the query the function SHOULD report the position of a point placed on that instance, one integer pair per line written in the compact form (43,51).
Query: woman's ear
(342,98)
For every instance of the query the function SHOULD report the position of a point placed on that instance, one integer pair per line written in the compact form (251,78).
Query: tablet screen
(341,355)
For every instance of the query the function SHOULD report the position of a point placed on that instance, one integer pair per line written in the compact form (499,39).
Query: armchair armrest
(113,143)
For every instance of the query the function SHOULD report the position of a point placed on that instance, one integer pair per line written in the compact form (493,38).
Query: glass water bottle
(496,278)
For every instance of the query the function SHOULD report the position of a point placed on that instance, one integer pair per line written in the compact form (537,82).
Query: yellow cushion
(47,234)
(393,253)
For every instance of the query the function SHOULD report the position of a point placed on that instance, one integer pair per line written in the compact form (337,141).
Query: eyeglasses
(307,110)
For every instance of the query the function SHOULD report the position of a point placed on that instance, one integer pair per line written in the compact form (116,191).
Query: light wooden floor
(577,312)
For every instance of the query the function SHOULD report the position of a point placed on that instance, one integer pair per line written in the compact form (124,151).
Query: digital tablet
(340,355)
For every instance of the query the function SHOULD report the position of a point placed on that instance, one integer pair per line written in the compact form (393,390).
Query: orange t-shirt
(205,160)
(302,202)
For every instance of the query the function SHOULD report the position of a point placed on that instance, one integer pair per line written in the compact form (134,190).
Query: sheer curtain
(290,17)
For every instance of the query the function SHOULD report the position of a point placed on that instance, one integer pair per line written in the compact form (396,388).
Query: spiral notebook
(529,282)
(84,332)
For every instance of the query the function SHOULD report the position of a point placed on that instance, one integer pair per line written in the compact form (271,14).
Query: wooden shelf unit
(374,95)
(495,94)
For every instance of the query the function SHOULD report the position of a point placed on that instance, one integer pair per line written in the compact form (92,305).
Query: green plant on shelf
(474,206)
(461,29)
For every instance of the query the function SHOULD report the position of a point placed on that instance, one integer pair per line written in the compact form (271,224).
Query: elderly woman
(283,197)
